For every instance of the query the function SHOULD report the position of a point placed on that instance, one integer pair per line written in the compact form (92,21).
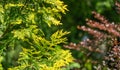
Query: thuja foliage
(23,41)
(102,50)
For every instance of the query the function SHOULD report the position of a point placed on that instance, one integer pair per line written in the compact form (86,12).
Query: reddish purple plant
(106,40)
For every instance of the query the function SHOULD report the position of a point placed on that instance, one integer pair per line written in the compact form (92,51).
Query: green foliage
(56,38)
(32,59)
(1,58)
(23,39)
(101,6)
(72,66)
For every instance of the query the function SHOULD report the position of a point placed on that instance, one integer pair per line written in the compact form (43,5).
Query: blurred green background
(79,10)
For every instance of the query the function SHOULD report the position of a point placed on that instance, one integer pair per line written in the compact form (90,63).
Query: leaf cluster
(22,36)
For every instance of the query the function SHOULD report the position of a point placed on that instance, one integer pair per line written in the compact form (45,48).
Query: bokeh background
(79,10)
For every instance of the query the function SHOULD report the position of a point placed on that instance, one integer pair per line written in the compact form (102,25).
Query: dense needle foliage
(25,43)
